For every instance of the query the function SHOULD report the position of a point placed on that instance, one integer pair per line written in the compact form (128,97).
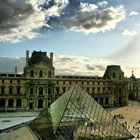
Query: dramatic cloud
(133,13)
(84,17)
(86,7)
(19,19)
(100,67)
(103,3)
(127,32)
(71,65)
(90,67)
(23,19)
(64,65)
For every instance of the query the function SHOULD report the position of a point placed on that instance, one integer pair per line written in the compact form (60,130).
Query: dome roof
(38,57)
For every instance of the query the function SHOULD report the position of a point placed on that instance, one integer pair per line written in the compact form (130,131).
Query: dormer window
(41,73)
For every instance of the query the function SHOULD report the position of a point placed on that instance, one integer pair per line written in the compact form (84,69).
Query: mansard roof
(38,57)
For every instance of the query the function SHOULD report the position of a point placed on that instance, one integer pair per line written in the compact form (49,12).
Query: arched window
(18,103)
(57,90)
(40,103)
(40,90)
(41,73)
(31,73)
(2,102)
(49,74)
(10,103)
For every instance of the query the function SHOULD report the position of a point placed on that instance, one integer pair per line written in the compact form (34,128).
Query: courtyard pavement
(129,117)
(8,119)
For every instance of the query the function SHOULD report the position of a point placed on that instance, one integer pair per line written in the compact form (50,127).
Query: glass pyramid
(77,116)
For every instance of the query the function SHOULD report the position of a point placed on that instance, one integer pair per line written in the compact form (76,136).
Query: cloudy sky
(85,35)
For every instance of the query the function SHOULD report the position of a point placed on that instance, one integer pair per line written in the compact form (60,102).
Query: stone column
(14,107)
(6,104)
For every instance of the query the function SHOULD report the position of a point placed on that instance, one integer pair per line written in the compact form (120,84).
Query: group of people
(118,116)
(131,126)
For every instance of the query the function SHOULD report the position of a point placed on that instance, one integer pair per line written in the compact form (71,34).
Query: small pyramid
(77,116)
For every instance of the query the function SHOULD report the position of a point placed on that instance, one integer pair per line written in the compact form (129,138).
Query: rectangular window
(49,91)
(31,91)
(18,90)
(2,90)
(10,90)
(18,81)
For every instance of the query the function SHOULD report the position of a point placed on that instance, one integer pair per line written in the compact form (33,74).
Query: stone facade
(134,88)
(38,86)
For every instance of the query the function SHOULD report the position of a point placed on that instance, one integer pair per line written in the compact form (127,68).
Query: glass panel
(77,116)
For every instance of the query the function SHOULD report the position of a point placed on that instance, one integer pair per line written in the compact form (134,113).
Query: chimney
(16,70)
(27,57)
(51,57)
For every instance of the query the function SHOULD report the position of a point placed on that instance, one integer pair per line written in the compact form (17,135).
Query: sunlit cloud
(133,13)
(127,32)
(19,20)
(103,3)
(89,19)
(69,65)
(86,7)
(24,19)
(79,65)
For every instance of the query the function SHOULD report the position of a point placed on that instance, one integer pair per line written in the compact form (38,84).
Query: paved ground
(18,114)
(8,119)
(22,133)
(129,116)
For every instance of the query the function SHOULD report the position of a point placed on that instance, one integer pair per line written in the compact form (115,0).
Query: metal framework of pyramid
(77,116)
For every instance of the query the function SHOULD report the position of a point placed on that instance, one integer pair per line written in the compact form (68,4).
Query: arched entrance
(18,103)
(30,105)
(11,103)
(40,103)
(2,102)
(120,101)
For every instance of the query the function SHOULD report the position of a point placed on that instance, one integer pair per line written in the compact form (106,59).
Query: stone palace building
(38,86)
